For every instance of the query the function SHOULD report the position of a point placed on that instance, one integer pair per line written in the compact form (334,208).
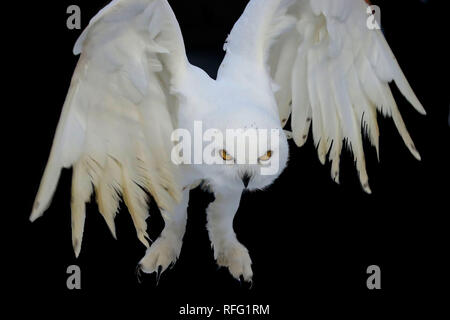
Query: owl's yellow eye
(267,156)
(225,156)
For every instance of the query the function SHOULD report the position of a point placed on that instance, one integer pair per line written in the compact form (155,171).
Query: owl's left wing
(332,70)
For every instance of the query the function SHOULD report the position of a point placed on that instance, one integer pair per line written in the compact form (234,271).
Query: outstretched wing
(332,70)
(118,116)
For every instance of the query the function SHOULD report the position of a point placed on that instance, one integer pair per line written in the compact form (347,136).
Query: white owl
(315,61)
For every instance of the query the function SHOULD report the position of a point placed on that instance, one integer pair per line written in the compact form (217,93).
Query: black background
(310,240)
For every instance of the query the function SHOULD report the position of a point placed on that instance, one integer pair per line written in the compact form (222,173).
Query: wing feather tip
(76,247)
(422,110)
(300,141)
(322,158)
(417,105)
(335,177)
(34,217)
(412,148)
(37,212)
(143,236)
(113,231)
(366,188)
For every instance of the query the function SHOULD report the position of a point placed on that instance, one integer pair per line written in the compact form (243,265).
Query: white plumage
(315,61)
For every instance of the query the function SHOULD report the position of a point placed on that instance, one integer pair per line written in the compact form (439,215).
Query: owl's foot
(162,253)
(236,258)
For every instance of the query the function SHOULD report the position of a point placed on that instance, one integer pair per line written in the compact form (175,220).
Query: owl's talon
(236,258)
(160,256)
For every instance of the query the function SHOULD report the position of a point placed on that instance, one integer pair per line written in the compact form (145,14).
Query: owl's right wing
(119,115)
(332,70)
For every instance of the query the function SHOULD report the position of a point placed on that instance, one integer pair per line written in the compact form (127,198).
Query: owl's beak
(246,179)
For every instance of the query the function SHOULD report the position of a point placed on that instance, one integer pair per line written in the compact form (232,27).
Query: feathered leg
(166,249)
(228,251)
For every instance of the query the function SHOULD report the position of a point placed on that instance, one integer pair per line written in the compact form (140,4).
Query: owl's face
(250,157)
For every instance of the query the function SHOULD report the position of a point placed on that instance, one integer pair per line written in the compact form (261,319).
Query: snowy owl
(140,121)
